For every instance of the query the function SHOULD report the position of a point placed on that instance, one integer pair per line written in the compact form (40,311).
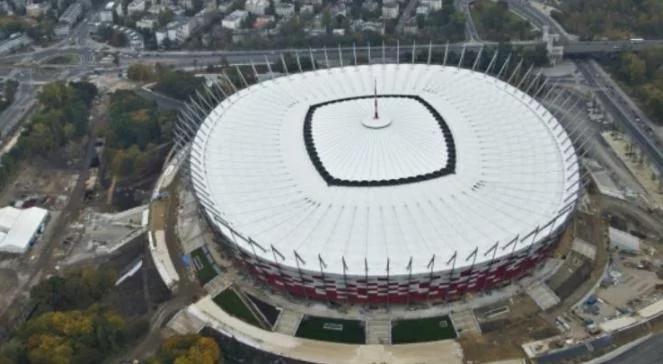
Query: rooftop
(509,170)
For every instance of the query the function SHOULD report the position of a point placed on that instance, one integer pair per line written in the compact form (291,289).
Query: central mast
(375,99)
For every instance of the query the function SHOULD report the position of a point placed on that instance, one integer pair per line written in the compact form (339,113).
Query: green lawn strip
(230,302)
(204,269)
(422,330)
(330,329)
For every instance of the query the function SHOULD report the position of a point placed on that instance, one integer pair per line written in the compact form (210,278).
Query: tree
(188,349)
(633,68)
(140,73)
(74,290)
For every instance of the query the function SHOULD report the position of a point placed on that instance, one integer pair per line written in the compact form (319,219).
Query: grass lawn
(421,330)
(230,302)
(204,269)
(329,329)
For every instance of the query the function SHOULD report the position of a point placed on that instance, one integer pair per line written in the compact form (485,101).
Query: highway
(24,99)
(649,352)
(628,116)
(525,9)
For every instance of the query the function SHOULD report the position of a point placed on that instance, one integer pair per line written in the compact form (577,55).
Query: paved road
(471,32)
(627,115)
(540,19)
(24,99)
(649,352)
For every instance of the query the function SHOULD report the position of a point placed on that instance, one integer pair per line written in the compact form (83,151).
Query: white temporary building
(623,241)
(18,227)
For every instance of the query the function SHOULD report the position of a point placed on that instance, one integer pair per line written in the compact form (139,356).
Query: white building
(390,9)
(224,6)
(621,240)
(284,9)
(147,22)
(106,15)
(177,31)
(119,9)
(257,7)
(423,9)
(15,41)
(234,20)
(68,19)
(36,10)
(71,14)
(20,227)
(136,7)
(370,5)
(306,9)
(434,5)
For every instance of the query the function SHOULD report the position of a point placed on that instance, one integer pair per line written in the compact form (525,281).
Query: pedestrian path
(288,322)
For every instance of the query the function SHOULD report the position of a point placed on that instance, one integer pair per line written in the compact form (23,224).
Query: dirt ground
(46,186)
(505,343)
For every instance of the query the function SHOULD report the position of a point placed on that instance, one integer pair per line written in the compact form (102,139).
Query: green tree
(634,68)
(188,349)
(140,73)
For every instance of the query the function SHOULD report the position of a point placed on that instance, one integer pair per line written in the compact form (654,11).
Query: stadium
(385,183)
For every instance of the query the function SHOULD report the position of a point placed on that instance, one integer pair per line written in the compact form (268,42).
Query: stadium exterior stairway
(378,331)
(288,322)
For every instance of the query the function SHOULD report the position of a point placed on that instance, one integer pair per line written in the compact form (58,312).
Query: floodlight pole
(515,70)
(462,55)
(409,279)
(354,53)
(326,57)
(369,53)
(384,58)
(446,53)
(540,88)
(255,71)
(398,51)
(340,56)
(450,279)
(414,50)
(534,81)
(504,66)
(299,62)
(490,263)
(278,267)
(285,66)
(310,53)
(491,63)
(388,294)
(241,76)
(322,274)
(430,52)
(366,278)
(269,68)
(345,278)
(477,59)
(301,274)
(520,83)
(230,82)
(431,265)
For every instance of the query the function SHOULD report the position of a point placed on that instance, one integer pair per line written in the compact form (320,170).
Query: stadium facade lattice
(385,183)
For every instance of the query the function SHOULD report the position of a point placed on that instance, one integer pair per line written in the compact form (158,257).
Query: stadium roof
(455,162)
(18,227)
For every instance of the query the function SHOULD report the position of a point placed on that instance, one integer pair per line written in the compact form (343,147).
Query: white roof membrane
(515,168)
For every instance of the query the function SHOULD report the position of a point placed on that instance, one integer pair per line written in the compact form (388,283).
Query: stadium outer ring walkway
(205,310)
